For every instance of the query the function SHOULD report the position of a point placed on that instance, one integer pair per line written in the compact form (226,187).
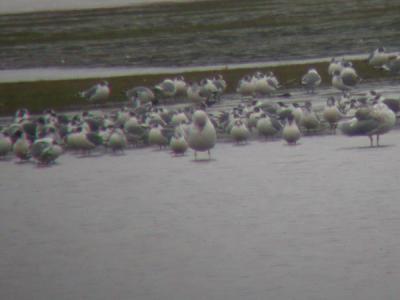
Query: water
(197,34)
(24,6)
(58,73)
(261,221)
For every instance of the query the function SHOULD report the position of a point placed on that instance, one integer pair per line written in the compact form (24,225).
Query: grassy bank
(63,94)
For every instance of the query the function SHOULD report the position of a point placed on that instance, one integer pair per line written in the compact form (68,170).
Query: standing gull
(180,86)
(178,142)
(239,131)
(346,79)
(370,121)
(331,113)
(310,120)
(311,80)
(201,134)
(117,140)
(245,86)
(334,65)
(21,147)
(291,132)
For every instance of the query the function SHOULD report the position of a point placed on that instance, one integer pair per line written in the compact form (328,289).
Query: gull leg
(371,140)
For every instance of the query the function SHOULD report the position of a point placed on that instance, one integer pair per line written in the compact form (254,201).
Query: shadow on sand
(203,160)
(366,147)
(24,162)
(90,155)
(46,166)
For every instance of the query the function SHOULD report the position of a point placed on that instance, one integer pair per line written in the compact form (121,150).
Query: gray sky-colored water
(17,6)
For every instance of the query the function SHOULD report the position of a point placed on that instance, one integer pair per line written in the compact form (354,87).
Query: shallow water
(215,32)
(24,6)
(60,73)
(262,221)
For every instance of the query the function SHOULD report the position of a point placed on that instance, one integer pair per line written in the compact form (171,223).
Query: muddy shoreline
(62,95)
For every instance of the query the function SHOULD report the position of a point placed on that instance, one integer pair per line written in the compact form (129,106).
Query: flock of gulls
(198,126)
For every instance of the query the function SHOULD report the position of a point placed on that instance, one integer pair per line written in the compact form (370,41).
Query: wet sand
(198,33)
(61,94)
(262,221)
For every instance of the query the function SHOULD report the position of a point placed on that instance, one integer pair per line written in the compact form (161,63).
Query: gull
(220,84)
(179,118)
(84,140)
(178,142)
(210,90)
(135,131)
(166,88)
(21,115)
(21,147)
(311,80)
(245,86)
(265,84)
(197,94)
(201,134)
(45,151)
(331,113)
(334,66)
(346,79)
(310,120)
(268,126)
(239,131)
(378,57)
(370,121)
(291,132)
(140,95)
(157,135)
(5,144)
(98,92)
(297,112)
(180,86)
(393,65)
(117,139)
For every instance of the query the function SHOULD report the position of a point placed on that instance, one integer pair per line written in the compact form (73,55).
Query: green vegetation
(63,94)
